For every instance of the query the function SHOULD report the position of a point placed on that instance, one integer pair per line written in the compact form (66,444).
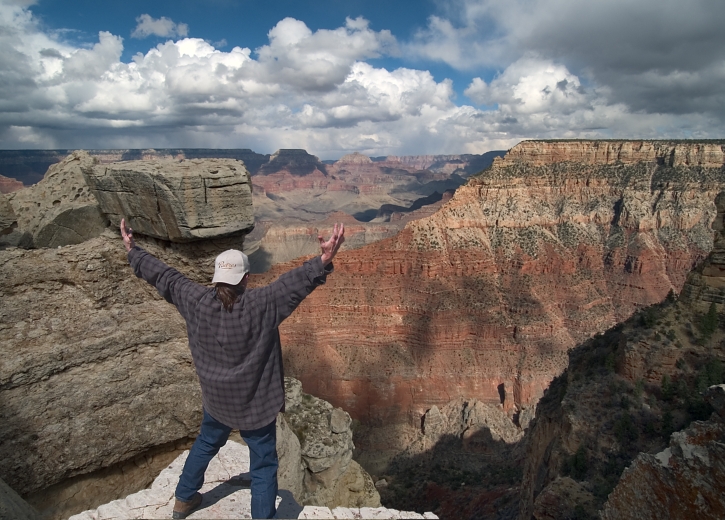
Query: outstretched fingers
(127,235)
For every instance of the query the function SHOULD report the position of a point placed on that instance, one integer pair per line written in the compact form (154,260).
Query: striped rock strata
(484,298)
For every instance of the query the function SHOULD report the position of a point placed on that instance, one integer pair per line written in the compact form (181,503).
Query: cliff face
(484,298)
(8,185)
(622,396)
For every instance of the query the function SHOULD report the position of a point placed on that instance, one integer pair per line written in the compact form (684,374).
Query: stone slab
(179,201)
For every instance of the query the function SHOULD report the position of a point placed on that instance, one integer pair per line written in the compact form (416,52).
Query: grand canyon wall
(483,299)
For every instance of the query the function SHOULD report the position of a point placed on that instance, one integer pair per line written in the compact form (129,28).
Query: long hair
(227,295)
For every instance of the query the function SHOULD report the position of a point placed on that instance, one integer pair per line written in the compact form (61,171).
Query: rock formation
(59,210)
(100,370)
(622,396)
(328,477)
(179,201)
(8,220)
(484,298)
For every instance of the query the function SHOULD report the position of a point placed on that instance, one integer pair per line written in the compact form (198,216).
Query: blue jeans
(262,463)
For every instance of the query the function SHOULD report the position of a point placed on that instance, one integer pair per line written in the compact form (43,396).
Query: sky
(393,77)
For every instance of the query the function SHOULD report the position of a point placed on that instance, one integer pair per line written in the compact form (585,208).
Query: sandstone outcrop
(483,299)
(97,369)
(462,463)
(179,201)
(329,475)
(686,480)
(59,210)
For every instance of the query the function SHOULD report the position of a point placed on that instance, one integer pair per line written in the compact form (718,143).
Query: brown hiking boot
(183,509)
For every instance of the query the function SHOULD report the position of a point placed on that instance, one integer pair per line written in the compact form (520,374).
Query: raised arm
(288,291)
(173,286)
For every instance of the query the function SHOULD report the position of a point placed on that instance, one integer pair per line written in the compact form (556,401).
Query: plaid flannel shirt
(237,354)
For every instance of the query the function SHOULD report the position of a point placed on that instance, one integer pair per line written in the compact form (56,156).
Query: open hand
(127,234)
(330,248)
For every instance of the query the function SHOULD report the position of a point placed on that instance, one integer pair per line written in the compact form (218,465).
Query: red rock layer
(484,298)
(9,185)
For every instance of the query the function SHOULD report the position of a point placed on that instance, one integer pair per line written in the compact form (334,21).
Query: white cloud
(162,27)
(654,56)
(320,90)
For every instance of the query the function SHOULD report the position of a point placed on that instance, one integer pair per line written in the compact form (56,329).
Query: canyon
(554,243)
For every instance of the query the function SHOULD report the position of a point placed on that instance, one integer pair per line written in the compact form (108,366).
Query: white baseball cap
(230,267)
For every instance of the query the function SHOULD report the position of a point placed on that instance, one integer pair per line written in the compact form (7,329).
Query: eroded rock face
(96,369)
(59,210)
(8,220)
(563,498)
(179,201)
(330,477)
(687,480)
(484,298)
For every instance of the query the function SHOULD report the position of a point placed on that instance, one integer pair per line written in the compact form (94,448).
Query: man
(234,342)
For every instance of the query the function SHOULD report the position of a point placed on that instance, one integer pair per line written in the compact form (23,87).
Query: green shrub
(578,463)
(667,424)
(709,322)
(625,430)
(639,388)
(666,387)
(648,317)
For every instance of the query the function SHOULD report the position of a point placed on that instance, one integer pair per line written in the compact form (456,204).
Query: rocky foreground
(226,495)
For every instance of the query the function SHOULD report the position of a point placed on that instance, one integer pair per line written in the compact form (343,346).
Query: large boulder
(58,211)
(179,201)
(330,477)
(96,368)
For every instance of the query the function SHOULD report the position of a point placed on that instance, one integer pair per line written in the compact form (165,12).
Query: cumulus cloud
(320,90)
(162,27)
(654,56)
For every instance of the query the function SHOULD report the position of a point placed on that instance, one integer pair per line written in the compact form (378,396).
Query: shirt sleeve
(288,291)
(170,283)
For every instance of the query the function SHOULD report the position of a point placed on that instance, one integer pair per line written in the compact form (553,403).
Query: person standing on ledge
(234,342)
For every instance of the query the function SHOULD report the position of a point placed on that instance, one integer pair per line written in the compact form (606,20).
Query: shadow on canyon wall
(472,478)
